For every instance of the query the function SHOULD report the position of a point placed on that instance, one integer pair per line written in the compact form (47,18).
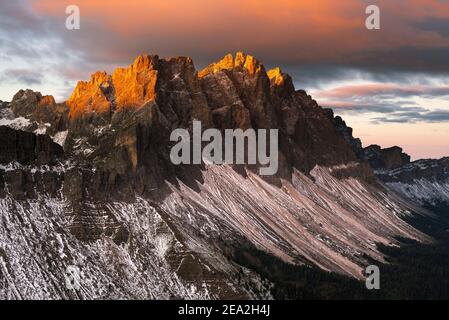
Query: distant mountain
(424,181)
(88,183)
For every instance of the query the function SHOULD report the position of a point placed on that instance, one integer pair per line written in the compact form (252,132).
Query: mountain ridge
(113,191)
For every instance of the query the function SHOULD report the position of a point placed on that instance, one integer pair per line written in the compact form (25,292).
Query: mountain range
(88,183)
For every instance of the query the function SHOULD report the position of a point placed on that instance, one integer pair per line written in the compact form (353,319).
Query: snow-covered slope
(424,181)
(423,191)
(147,259)
(8,119)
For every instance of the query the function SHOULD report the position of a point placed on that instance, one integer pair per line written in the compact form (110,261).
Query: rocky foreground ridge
(89,183)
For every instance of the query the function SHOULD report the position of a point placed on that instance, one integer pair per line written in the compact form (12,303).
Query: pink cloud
(375,89)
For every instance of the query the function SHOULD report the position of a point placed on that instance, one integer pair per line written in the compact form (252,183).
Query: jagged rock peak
(30,95)
(89,96)
(130,87)
(281,82)
(25,102)
(135,86)
(229,62)
(388,158)
(47,101)
(277,76)
(144,61)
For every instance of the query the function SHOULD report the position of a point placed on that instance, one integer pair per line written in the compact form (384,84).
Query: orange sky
(336,28)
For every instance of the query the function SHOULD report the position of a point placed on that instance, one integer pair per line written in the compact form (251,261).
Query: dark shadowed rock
(121,123)
(346,132)
(388,158)
(27,148)
(25,102)
(4,104)
(41,109)
(242,94)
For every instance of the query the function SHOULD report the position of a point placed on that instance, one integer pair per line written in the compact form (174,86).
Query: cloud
(26,76)
(373,106)
(412,117)
(438,25)
(385,90)
(289,32)
(396,103)
(316,41)
(35,54)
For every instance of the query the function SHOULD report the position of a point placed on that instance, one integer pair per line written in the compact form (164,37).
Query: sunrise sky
(391,85)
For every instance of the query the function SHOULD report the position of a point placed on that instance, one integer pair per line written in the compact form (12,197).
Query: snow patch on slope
(19,123)
(423,191)
(8,119)
(60,137)
(37,247)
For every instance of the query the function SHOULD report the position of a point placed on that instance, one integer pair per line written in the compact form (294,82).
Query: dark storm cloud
(319,76)
(407,58)
(438,25)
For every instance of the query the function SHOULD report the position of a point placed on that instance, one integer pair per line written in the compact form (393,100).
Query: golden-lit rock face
(130,87)
(224,64)
(46,101)
(228,62)
(90,97)
(281,83)
(136,85)
(276,76)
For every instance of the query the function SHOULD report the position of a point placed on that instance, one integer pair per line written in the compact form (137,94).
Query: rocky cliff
(159,95)
(388,158)
(423,181)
